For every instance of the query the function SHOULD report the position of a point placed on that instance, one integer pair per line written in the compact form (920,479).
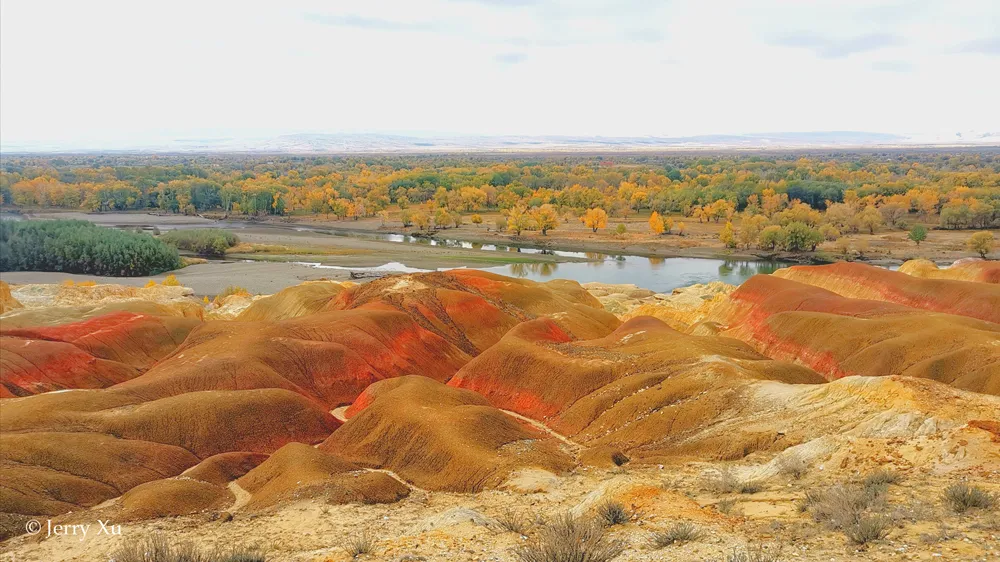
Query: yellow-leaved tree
(656,223)
(595,219)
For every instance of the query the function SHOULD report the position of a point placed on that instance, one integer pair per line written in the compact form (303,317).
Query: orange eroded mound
(474,309)
(860,281)
(225,467)
(52,472)
(92,353)
(114,438)
(292,302)
(969,269)
(171,497)
(329,357)
(440,437)
(839,336)
(644,389)
(300,471)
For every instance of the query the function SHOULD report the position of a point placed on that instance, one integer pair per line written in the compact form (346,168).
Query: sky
(130,73)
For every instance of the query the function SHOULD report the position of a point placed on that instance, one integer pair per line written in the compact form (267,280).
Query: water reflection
(540,269)
(658,274)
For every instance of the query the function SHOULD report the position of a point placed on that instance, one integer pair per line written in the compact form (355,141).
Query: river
(657,274)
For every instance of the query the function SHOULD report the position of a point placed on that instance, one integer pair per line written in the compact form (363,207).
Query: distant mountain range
(314,143)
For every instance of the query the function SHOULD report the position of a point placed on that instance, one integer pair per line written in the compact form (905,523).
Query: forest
(793,200)
(74,246)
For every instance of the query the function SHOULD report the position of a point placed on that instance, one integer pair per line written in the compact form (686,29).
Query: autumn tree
(545,218)
(727,235)
(770,237)
(595,219)
(981,243)
(870,218)
(421,220)
(442,218)
(656,225)
(476,220)
(518,219)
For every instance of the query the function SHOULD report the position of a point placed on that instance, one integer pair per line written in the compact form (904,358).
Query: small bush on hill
(202,241)
(567,539)
(158,548)
(74,246)
(680,532)
(963,497)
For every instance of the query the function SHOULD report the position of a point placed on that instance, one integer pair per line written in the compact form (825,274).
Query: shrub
(229,291)
(798,237)
(680,532)
(171,281)
(881,478)
(792,465)
(725,506)
(158,548)
(844,505)
(363,543)
(963,497)
(868,528)
(74,246)
(729,482)
(567,539)
(512,521)
(613,513)
(752,553)
(202,241)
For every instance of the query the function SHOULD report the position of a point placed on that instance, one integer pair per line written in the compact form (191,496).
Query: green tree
(918,234)
(981,243)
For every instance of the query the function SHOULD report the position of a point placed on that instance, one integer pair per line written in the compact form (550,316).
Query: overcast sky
(137,72)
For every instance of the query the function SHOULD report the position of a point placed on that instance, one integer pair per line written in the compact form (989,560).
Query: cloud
(833,48)
(984,46)
(511,58)
(893,66)
(369,23)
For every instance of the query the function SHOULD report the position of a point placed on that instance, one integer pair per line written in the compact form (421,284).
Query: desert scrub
(158,548)
(568,539)
(881,478)
(728,482)
(844,504)
(678,533)
(793,466)
(512,522)
(754,553)
(868,528)
(202,241)
(962,497)
(74,246)
(363,543)
(613,513)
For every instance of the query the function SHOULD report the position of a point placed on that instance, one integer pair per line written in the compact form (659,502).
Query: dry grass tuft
(158,548)
(513,522)
(360,544)
(678,533)
(793,466)
(728,483)
(868,528)
(613,513)
(963,497)
(754,553)
(567,539)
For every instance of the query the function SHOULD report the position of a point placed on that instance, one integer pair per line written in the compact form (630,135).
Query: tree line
(954,190)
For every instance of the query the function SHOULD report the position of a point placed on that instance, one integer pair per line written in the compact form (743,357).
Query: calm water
(657,274)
